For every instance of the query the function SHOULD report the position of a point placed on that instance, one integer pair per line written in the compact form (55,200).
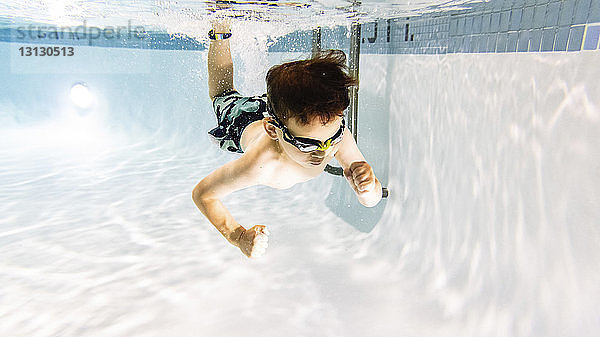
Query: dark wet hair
(310,89)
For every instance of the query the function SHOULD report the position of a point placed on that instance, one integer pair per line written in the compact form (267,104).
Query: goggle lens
(306,144)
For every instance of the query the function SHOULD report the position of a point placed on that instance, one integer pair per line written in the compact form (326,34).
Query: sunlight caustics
(491,228)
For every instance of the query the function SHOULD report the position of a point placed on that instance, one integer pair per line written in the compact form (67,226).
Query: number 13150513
(47,51)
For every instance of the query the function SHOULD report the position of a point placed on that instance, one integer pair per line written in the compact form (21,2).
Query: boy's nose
(318,153)
(321,153)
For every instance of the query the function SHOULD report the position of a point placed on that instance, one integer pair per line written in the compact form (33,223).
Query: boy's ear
(269,128)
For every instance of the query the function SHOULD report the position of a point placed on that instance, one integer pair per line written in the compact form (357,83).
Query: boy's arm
(358,172)
(220,64)
(233,176)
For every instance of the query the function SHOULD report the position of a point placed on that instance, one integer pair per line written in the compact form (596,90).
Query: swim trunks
(234,113)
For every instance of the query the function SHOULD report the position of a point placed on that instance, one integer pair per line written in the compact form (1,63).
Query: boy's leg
(220,64)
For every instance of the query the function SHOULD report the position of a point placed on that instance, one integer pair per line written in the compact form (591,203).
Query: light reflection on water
(113,241)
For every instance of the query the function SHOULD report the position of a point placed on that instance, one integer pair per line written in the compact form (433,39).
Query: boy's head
(307,99)
(310,90)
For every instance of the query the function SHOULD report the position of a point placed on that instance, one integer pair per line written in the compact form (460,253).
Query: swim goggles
(305,144)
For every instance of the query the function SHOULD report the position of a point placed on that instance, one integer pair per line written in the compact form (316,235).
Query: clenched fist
(361,177)
(253,242)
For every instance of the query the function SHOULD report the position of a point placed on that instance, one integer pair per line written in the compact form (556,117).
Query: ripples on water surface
(261,18)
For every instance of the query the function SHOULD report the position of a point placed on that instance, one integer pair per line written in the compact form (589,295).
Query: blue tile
(527,18)
(451,45)
(453,27)
(483,7)
(530,2)
(535,40)
(492,43)
(483,41)
(594,12)
(469,25)
(575,38)
(458,46)
(495,22)
(548,39)
(539,16)
(477,24)
(582,9)
(518,3)
(499,4)
(464,44)
(504,21)
(473,46)
(460,27)
(552,14)
(470,44)
(511,42)
(542,2)
(501,43)
(485,23)
(515,19)
(591,38)
(566,12)
(562,37)
(523,44)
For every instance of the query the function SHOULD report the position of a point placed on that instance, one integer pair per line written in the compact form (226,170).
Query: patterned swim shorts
(234,112)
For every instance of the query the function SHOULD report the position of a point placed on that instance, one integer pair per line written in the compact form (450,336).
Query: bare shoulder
(263,160)
(234,175)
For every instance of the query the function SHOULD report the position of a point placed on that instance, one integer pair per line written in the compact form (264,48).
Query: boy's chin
(312,163)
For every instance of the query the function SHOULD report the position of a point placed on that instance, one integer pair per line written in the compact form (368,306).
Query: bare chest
(281,175)
(274,170)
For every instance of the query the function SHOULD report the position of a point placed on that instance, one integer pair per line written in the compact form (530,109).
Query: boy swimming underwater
(287,135)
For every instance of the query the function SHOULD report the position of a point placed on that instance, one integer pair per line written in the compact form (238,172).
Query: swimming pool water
(490,228)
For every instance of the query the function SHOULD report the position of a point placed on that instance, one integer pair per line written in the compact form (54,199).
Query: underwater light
(81,95)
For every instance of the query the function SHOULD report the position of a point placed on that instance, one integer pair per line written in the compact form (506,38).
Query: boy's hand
(254,241)
(361,177)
